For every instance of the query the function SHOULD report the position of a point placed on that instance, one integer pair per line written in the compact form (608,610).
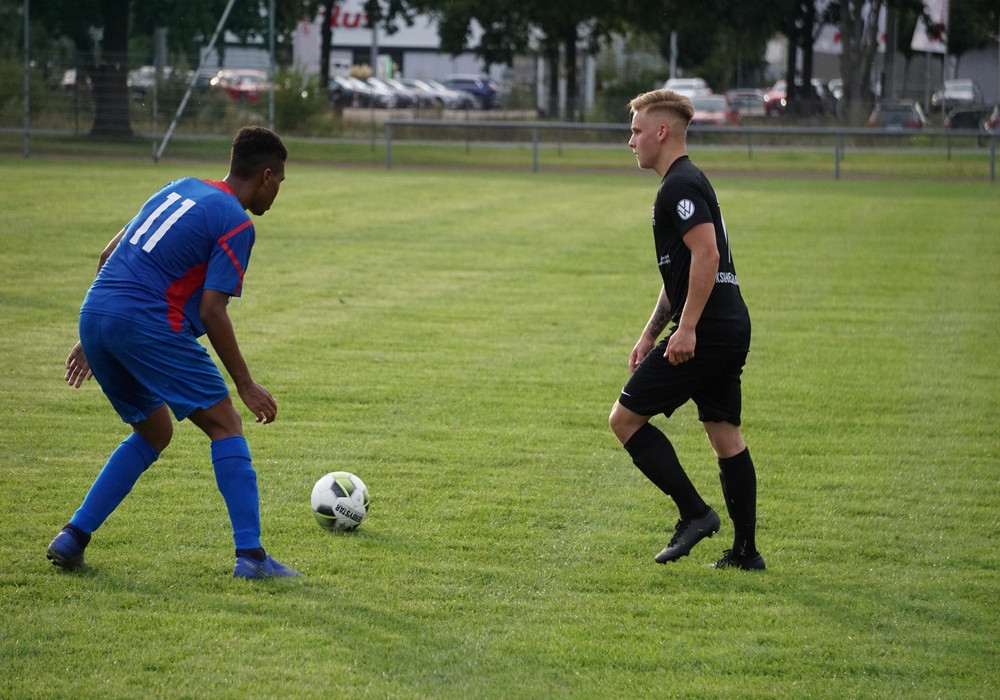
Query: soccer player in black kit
(702,357)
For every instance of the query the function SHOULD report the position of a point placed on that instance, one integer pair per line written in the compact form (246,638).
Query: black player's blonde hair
(254,149)
(666,101)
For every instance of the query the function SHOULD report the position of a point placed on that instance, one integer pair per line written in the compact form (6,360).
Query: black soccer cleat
(687,534)
(745,562)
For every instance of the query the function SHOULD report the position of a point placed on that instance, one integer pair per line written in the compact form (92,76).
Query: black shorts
(711,379)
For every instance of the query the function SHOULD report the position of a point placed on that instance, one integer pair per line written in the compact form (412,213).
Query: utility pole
(889,64)
(27,80)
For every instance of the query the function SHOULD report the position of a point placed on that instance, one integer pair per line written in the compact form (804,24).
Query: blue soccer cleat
(250,568)
(65,551)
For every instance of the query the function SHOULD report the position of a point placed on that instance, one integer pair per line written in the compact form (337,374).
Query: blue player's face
(267,191)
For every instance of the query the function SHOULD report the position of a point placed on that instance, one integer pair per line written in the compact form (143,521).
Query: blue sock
(126,464)
(237,482)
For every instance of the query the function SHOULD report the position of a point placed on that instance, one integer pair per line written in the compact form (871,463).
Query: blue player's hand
(77,368)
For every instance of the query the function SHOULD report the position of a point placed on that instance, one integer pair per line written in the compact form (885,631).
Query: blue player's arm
(219,329)
(109,249)
(77,367)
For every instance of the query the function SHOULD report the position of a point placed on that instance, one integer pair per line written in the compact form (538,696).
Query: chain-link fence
(110,100)
(72,99)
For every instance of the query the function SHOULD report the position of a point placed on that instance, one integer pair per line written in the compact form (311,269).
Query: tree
(973,24)
(859,39)
(714,38)
(508,28)
(98,29)
(100,32)
(326,43)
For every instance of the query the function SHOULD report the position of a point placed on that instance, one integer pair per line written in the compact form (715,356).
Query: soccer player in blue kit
(702,357)
(164,280)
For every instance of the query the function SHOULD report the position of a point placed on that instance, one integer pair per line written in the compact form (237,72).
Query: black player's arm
(661,315)
(657,322)
(109,249)
(700,240)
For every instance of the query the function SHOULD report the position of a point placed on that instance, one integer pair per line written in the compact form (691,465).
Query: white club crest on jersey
(685,209)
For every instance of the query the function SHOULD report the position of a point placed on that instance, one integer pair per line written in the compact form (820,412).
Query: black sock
(653,454)
(739,487)
(82,538)
(257,553)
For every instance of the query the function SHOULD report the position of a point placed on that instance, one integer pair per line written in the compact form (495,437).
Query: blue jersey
(190,236)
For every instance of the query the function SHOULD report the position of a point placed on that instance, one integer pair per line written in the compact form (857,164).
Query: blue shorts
(140,369)
(711,379)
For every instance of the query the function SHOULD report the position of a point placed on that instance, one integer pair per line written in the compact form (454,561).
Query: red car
(242,85)
(992,122)
(714,110)
(776,99)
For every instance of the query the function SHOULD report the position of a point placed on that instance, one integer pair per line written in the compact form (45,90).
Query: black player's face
(645,141)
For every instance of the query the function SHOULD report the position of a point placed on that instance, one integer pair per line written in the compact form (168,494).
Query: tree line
(713,36)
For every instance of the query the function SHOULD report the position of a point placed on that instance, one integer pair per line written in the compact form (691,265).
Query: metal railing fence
(835,140)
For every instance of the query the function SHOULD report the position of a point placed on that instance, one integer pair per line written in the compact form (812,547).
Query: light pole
(27,80)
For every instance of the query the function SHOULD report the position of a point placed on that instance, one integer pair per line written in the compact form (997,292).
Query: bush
(297,100)
(611,103)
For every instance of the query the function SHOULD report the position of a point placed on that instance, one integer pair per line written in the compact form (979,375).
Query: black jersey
(685,199)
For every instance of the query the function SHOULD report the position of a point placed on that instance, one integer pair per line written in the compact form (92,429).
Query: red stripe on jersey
(221,184)
(229,252)
(224,186)
(180,291)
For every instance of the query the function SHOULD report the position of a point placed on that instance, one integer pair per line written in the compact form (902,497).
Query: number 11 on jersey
(165,226)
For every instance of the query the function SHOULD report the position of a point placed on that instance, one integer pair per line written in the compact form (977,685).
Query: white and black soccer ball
(339,501)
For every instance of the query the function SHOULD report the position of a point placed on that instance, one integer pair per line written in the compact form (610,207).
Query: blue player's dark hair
(254,149)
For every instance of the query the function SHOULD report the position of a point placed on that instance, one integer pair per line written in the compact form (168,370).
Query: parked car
(241,84)
(141,80)
(984,121)
(836,88)
(443,96)
(386,96)
(68,81)
(689,87)
(203,81)
(482,88)
(713,110)
(749,102)
(966,119)
(817,101)
(829,102)
(345,91)
(417,98)
(957,94)
(896,116)
(776,98)
(992,123)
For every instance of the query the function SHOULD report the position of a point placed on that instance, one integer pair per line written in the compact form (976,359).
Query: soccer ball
(339,501)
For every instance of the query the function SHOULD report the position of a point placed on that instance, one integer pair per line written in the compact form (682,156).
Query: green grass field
(456,338)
